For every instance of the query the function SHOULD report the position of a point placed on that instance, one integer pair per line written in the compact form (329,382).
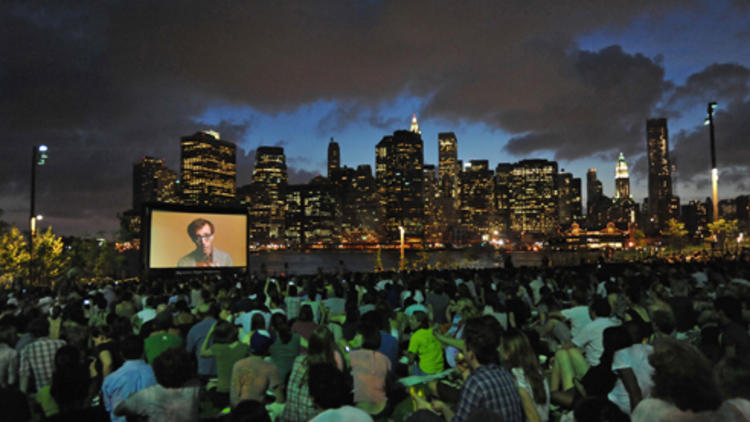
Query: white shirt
(590,338)
(634,357)
(541,409)
(578,316)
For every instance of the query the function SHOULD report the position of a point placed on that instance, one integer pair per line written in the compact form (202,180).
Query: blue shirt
(389,347)
(193,343)
(132,376)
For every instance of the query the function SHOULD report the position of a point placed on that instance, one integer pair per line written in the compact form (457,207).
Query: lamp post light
(401,232)
(38,158)
(714,170)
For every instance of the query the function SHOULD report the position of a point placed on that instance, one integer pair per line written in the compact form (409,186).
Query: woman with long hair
(286,347)
(321,349)
(521,359)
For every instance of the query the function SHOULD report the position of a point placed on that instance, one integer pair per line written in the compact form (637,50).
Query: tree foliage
(675,234)
(49,258)
(724,232)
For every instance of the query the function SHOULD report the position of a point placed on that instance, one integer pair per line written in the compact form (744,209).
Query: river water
(296,262)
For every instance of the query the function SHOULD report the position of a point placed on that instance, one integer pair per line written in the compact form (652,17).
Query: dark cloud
(608,97)
(725,82)
(104,83)
(692,152)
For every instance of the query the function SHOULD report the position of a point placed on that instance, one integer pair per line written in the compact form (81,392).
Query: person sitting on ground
(684,387)
(300,406)
(227,350)
(425,352)
(532,385)
(331,391)
(486,383)
(286,347)
(134,375)
(370,370)
(304,325)
(174,398)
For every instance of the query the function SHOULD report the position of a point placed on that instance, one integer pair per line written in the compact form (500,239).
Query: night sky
(104,83)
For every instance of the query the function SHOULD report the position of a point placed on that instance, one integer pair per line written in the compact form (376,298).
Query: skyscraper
(310,212)
(208,169)
(334,157)
(659,172)
(153,182)
(476,212)
(568,198)
(448,168)
(414,125)
(266,205)
(399,178)
(594,189)
(433,232)
(533,196)
(622,179)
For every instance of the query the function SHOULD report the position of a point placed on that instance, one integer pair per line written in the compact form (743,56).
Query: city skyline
(103,85)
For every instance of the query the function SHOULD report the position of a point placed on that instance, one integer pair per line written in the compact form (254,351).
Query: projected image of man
(201,231)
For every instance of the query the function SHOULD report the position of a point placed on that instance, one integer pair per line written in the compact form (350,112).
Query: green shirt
(155,344)
(429,350)
(226,356)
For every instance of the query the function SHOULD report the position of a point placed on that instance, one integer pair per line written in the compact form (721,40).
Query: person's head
(280,326)
(249,411)
(201,231)
(663,321)
(729,309)
(370,336)
(38,327)
(320,347)
(330,388)
(482,340)
(683,376)
(101,334)
(600,307)
(258,322)
(305,313)
(131,348)
(8,334)
(173,367)
(419,320)
(225,332)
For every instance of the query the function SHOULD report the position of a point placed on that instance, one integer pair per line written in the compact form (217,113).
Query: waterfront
(308,262)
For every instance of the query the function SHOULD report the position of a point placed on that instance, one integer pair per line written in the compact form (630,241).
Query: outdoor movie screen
(182,239)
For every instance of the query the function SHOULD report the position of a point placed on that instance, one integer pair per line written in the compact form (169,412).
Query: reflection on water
(365,261)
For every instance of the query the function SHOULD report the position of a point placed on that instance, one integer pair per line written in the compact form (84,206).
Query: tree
(49,259)
(14,256)
(675,234)
(724,232)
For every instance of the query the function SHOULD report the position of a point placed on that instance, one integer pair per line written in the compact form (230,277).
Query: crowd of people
(596,342)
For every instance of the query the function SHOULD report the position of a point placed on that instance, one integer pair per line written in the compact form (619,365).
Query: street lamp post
(714,169)
(401,232)
(38,158)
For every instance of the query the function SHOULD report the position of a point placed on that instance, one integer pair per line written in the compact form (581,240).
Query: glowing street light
(714,170)
(38,158)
